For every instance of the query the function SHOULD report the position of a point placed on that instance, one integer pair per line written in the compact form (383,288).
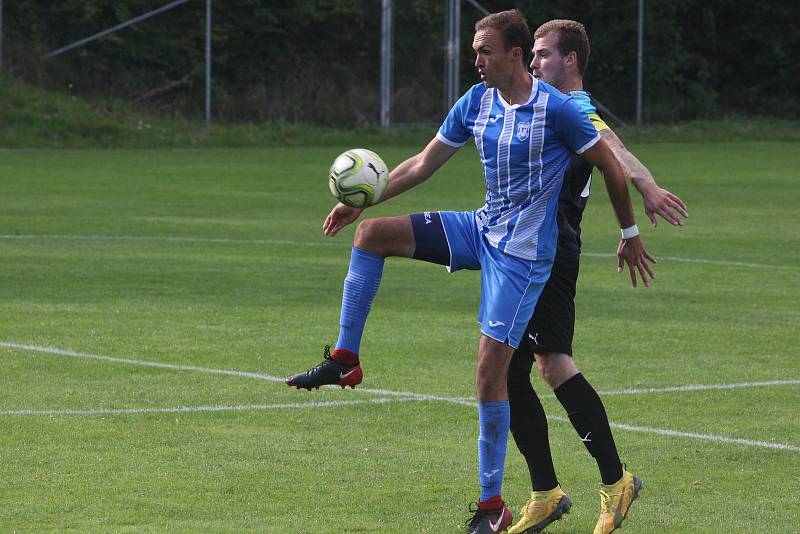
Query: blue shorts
(510,286)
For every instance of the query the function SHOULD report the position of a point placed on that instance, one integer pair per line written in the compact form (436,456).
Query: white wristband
(629,232)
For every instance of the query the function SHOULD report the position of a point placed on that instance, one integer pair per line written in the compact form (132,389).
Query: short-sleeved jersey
(577,184)
(525,150)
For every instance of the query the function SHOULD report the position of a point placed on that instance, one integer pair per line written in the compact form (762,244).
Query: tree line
(318,61)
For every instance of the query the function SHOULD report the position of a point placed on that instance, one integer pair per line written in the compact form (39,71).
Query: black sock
(588,416)
(529,425)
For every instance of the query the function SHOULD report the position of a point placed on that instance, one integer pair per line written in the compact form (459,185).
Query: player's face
(548,64)
(495,64)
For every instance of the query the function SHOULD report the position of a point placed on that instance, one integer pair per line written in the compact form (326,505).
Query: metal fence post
(640,64)
(387,61)
(1,36)
(452,50)
(208,63)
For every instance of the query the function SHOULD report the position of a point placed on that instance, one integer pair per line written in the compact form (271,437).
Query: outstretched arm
(417,169)
(631,249)
(657,200)
(408,174)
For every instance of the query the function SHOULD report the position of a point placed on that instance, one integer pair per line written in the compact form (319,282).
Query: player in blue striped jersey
(525,132)
(561,51)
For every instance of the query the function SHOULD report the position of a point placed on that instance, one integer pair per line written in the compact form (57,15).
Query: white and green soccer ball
(358,178)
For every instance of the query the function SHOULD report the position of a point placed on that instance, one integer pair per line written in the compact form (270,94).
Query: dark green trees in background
(318,60)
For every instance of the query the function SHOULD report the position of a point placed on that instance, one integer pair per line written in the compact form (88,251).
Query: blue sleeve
(574,127)
(587,106)
(584,102)
(454,130)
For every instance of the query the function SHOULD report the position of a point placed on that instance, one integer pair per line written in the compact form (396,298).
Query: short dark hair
(571,38)
(512,27)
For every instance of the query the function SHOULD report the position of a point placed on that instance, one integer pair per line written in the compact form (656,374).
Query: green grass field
(150,300)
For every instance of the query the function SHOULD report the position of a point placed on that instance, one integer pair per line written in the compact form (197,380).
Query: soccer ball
(358,178)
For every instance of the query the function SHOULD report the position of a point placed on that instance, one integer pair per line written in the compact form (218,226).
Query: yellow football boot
(543,508)
(616,501)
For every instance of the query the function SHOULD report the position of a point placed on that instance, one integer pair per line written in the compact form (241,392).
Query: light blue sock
(495,418)
(360,286)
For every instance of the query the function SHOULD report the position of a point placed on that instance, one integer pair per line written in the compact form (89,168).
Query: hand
(658,200)
(340,216)
(632,252)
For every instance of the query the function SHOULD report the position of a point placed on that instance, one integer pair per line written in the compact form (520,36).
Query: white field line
(195,409)
(700,387)
(693,435)
(229,372)
(144,363)
(339,243)
(697,260)
(174,239)
(417,396)
(689,387)
(397,396)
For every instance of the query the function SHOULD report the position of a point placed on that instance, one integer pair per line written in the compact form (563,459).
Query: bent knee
(555,368)
(385,236)
(367,233)
(373,235)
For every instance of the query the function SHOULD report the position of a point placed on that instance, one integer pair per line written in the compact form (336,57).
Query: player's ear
(571,59)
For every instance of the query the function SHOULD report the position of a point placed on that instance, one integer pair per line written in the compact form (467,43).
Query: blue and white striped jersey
(525,149)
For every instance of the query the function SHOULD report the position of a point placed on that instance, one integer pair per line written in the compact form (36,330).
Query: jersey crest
(523,130)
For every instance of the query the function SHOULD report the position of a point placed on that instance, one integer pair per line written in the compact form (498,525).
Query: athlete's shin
(360,287)
(529,427)
(494,418)
(588,416)
(494,414)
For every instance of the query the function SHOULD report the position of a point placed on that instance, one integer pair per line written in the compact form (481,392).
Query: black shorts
(553,323)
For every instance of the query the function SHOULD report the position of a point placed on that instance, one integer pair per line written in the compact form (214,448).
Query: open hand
(340,216)
(632,252)
(659,201)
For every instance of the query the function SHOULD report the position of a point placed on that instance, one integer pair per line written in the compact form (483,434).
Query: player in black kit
(560,55)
